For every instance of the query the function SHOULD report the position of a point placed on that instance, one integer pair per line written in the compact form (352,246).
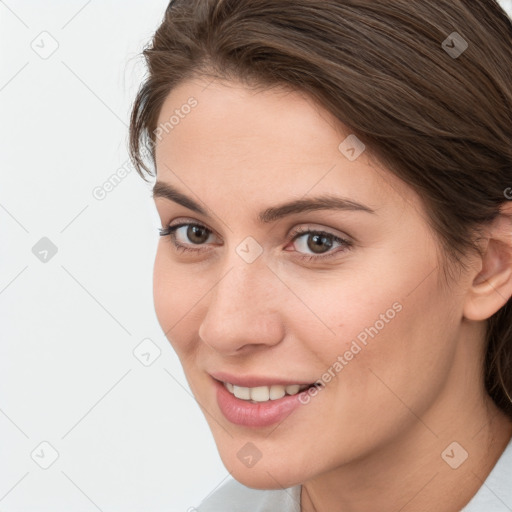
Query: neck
(415,473)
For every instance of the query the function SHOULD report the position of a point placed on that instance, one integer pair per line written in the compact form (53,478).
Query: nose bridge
(244,289)
(241,308)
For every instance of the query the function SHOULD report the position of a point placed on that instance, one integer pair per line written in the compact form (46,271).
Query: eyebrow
(325,202)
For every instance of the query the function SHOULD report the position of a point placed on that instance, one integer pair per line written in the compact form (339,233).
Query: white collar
(495,494)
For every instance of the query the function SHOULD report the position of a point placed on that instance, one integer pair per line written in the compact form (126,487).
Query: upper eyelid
(347,243)
(304,228)
(189,222)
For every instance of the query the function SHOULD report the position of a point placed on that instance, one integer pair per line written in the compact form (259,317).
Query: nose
(243,309)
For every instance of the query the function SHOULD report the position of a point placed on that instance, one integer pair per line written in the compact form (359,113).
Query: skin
(372,438)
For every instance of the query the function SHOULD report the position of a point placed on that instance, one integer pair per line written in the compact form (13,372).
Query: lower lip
(247,414)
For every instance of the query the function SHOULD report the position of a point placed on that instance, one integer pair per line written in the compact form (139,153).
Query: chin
(262,480)
(276,475)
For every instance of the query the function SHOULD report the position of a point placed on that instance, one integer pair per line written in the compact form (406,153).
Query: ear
(492,286)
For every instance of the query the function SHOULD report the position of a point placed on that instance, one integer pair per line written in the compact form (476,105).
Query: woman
(335,269)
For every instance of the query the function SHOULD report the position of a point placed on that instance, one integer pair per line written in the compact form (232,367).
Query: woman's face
(245,300)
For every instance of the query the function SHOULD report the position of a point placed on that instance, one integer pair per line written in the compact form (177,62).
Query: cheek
(346,314)
(397,323)
(161,288)
(398,350)
(174,296)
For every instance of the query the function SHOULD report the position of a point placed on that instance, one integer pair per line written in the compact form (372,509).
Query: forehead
(230,114)
(263,141)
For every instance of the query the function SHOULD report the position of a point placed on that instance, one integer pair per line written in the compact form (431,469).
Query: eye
(196,233)
(314,240)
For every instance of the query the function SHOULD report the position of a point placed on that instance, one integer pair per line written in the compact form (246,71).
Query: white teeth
(260,394)
(276,392)
(244,393)
(293,389)
(264,393)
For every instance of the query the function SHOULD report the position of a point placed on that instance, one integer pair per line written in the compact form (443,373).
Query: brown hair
(440,121)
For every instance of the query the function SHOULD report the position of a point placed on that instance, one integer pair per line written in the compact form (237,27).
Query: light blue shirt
(495,494)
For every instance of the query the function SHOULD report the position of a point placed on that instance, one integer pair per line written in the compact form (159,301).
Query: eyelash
(169,232)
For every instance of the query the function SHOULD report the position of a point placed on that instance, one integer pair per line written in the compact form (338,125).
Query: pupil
(192,230)
(318,241)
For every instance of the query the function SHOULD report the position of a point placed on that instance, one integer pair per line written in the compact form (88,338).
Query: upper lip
(251,381)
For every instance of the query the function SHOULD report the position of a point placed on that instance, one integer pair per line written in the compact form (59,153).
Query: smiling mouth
(260,394)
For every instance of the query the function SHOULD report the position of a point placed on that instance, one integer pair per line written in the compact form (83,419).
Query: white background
(129,437)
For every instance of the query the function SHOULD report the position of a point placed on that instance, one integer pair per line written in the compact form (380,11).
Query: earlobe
(492,285)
